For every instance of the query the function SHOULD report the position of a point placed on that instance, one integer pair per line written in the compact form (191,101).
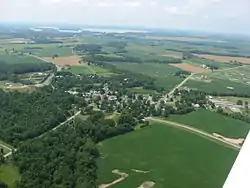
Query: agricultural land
(121,109)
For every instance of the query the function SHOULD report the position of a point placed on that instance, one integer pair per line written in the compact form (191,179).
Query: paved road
(176,87)
(194,130)
(8,148)
(181,84)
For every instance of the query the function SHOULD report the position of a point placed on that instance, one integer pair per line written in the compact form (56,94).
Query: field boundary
(196,131)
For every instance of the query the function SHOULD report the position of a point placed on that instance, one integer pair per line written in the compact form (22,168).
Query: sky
(207,15)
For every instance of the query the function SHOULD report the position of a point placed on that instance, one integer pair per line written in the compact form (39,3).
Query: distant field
(64,61)
(173,54)
(213,122)
(15,59)
(184,39)
(163,73)
(170,157)
(190,68)
(9,174)
(229,81)
(224,58)
(49,51)
(199,61)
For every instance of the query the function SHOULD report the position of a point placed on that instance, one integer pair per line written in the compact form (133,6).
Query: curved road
(196,131)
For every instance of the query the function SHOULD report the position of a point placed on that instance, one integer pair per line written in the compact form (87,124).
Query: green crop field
(163,73)
(9,174)
(15,59)
(49,51)
(213,122)
(173,157)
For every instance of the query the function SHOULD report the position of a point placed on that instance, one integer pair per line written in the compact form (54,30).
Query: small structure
(196,105)
(231,88)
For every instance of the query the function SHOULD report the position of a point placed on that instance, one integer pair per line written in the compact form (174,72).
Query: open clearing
(190,68)
(216,123)
(172,157)
(9,174)
(65,61)
(224,58)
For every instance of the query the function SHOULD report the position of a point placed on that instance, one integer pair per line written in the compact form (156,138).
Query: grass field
(90,70)
(15,59)
(163,73)
(9,174)
(174,158)
(213,122)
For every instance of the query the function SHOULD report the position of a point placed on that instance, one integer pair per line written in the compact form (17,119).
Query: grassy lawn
(213,122)
(173,157)
(9,174)
(162,73)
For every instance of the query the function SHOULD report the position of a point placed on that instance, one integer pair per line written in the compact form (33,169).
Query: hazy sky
(217,15)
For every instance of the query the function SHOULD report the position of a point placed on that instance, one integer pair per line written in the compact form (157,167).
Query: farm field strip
(189,67)
(197,131)
(224,58)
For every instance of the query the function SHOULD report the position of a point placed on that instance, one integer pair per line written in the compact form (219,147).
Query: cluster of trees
(64,81)
(62,158)
(118,45)
(40,39)
(89,48)
(235,115)
(7,70)
(182,73)
(67,157)
(24,116)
